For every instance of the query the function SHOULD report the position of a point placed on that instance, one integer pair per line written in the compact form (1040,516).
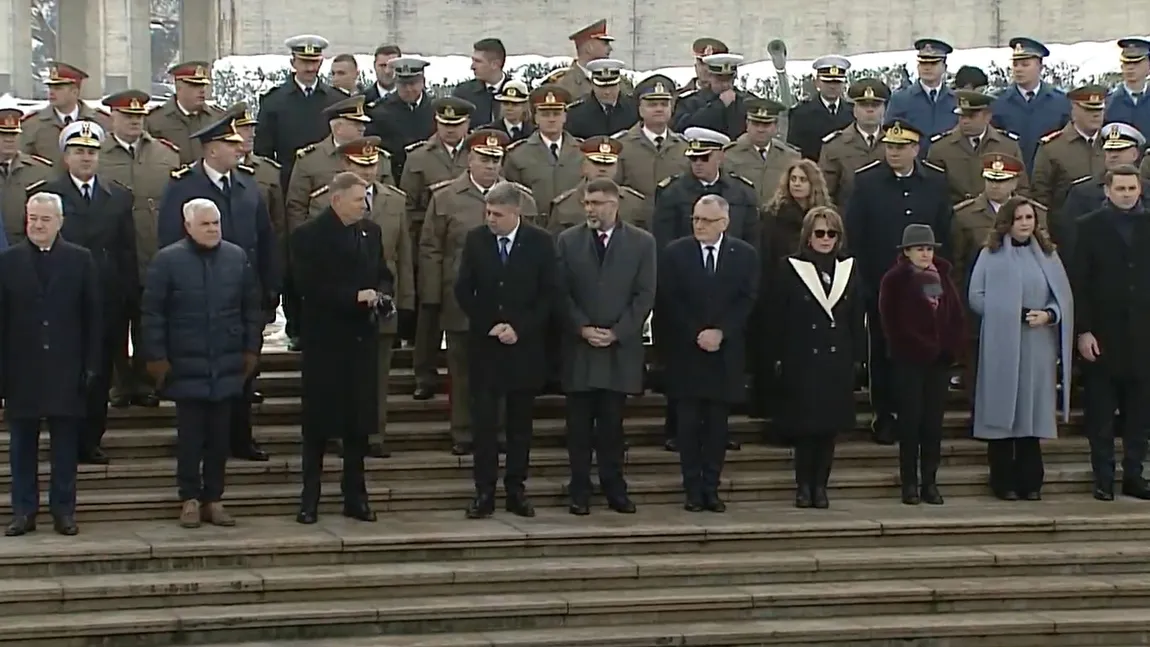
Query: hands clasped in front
(710,339)
(504,333)
(598,337)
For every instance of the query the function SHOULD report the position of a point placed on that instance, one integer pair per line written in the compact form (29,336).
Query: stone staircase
(868,572)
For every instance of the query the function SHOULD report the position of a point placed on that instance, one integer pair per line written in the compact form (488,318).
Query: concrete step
(127,471)
(1068,535)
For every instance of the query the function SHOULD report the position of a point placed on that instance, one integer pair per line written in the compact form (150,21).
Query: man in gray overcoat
(606,276)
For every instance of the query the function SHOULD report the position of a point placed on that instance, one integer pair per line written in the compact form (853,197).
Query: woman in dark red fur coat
(922,319)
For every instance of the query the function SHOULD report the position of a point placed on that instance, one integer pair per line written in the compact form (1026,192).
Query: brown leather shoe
(215,514)
(190,514)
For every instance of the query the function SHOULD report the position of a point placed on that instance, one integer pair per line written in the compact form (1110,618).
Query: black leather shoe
(1006,495)
(693,504)
(671,445)
(361,511)
(713,503)
(1032,496)
(94,456)
(307,515)
(461,449)
(734,445)
(579,507)
(149,400)
(423,393)
(622,505)
(294,345)
(910,495)
(1103,494)
(819,498)
(120,401)
(481,507)
(20,526)
(65,525)
(1136,489)
(257,397)
(803,497)
(931,495)
(252,452)
(519,505)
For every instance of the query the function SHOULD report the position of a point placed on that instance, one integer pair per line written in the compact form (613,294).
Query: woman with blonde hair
(815,339)
(1021,292)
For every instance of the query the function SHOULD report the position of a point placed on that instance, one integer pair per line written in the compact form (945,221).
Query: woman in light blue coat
(1020,291)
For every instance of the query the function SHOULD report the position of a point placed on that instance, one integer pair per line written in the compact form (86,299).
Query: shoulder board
(246,169)
(1049,137)
(965,203)
(121,185)
(43,160)
(1084,178)
(563,196)
(304,151)
(867,167)
(28,116)
(1039,205)
(937,137)
(932,165)
(555,76)
(386,153)
(268,161)
(167,143)
(414,145)
(181,172)
(667,180)
(1009,134)
(831,135)
(619,134)
(577,102)
(522,187)
(633,192)
(730,145)
(394,189)
(35,185)
(743,179)
(439,185)
(318,192)
(686,93)
(372,104)
(513,145)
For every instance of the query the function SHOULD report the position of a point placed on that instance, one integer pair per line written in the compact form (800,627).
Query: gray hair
(717,201)
(198,205)
(504,194)
(50,199)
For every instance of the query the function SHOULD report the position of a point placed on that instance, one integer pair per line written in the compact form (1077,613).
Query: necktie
(368,198)
(86,191)
(974,142)
(68,120)
(225,185)
(608,109)
(933,96)
(4,169)
(504,252)
(515,130)
(1090,142)
(554,151)
(1029,96)
(602,249)
(1136,97)
(307,92)
(833,108)
(132,151)
(869,140)
(659,142)
(763,153)
(710,262)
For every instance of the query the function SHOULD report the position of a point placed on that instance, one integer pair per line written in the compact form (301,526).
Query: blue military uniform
(930,111)
(1126,104)
(1047,109)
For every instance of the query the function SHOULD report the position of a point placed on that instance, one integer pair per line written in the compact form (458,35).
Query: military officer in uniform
(1028,107)
(143,163)
(513,111)
(438,159)
(846,151)
(701,48)
(404,116)
(18,171)
(675,200)
(386,207)
(41,130)
(759,154)
(549,161)
(1129,102)
(245,222)
(928,104)
(960,151)
(724,109)
(187,111)
(1071,152)
(974,217)
(651,151)
(457,206)
(888,195)
(266,173)
(292,114)
(812,120)
(605,110)
(1122,144)
(592,42)
(602,161)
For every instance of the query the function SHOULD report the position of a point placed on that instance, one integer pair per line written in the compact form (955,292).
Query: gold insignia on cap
(696,144)
(834,70)
(708,50)
(86,128)
(54,73)
(895,130)
(369,150)
(135,105)
(1019,49)
(550,98)
(605,148)
(493,141)
(1115,134)
(965,104)
(449,112)
(1094,98)
(997,165)
(200,71)
(309,49)
(659,88)
(868,93)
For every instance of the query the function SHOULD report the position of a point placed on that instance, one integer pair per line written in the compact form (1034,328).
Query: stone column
(140,45)
(81,36)
(16,74)
(199,30)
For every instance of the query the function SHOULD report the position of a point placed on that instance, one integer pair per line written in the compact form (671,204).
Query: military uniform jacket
(1145,169)
(398,125)
(687,103)
(267,176)
(529,162)
(952,152)
(456,208)
(244,218)
(810,121)
(574,80)
(743,158)
(973,222)
(844,152)
(586,117)
(41,130)
(883,204)
(23,172)
(1087,194)
(315,166)
(1121,107)
(642,165)
(912,105)
(146,172)
(675,201)
(711,112)
(1048,111)
(566,210)
(1064,156)
(289,121)
(428,163)
(171,123)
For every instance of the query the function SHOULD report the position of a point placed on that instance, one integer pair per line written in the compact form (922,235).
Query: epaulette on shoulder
(867,167)
(633,192)
(269,161)
(27,117)
(667,180)
(515,144)
(619,134)
(1009,134)
(965,203)
(554,76)
(745,180)
(386,153)
(439,185)
(1080,180)
(522,187)
(371,104)
(246,169)
(35,185)
(121,185)
(414,145)
(1049,137)
(318,192)
(831,135)
(167,143)
(730,145)
(304,151)
(1039,205)
(932,165)
(43,160)
(394,189)
(686,92)
(936,137)
(181,172)
(576,102)
(563,196)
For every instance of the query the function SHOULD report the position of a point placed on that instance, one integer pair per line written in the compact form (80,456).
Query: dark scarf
(930,282)
(824,265)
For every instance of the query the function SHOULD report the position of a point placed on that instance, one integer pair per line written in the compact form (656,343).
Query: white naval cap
(831,68)
(722,64)
(84,133)
(1117,135)
(307,46)
(408,67)
(605,71)
(701,141)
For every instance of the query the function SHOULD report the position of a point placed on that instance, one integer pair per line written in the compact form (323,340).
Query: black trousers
(24,462)
(202,448)
(130,376)
(595,423)
(291,304)
(879,367)
(240,415)
(922,390)
(703,431)
(1103,394)
(813,458)
(485,403)
(96,422)
(1015,465)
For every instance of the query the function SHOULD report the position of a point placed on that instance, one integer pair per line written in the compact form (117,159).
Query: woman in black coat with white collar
(817,336)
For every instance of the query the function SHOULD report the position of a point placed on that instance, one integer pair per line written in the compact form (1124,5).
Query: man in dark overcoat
(346,289)
(707,287)
(50,338)
(1110,276)
(98,217)
(606,291)
(505,286)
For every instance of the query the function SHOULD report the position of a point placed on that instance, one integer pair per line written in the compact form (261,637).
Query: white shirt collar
(125,145)
(511,236)
(607,234)
(213,174)
(75,114)
(498,84)
(711,181)
(305,88)
(873,136)
(547,142)
(383,92)
(80,183)
(1088,138)
(652,134)
(1142,90)
(718,245)
(1036,90)
(927,89)
(507,125)
(183,110)
(994,206)
(830,104)
(481,189)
